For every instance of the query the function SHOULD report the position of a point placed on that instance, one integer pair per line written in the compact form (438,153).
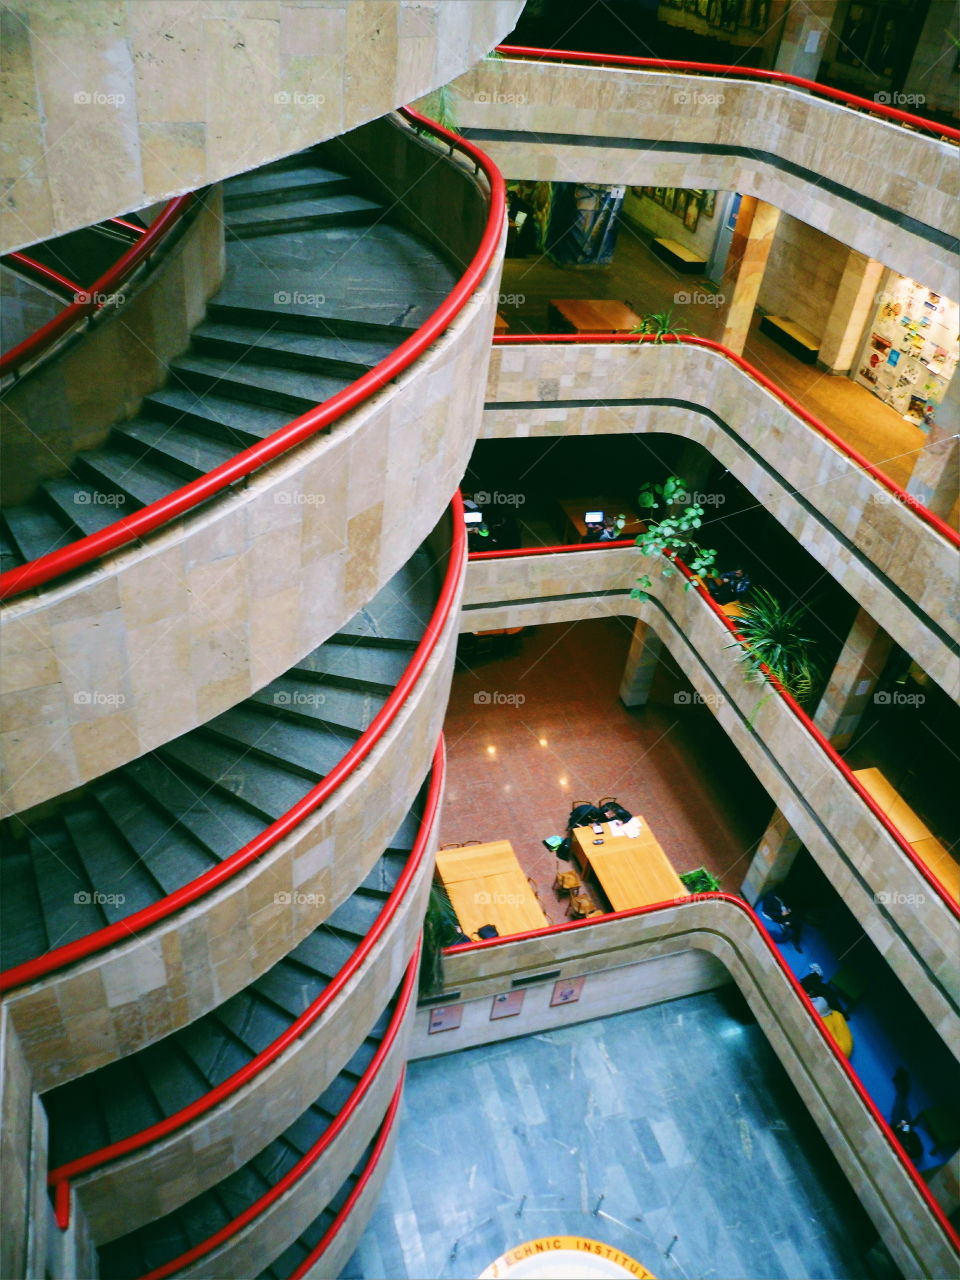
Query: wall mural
(686,203)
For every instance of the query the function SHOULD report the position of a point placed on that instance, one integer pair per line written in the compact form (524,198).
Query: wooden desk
(575,508)
(934,855)
(575,315)
(500,325)
(632,873)
(487,885)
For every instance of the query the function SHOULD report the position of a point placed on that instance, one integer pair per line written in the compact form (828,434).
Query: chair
(567,882)
(581,905)
(459,844)
(536,891)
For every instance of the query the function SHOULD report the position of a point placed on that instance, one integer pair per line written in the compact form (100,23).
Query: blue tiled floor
(670,1132)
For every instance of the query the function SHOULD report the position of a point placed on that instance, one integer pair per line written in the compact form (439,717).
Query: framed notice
(446,1018)
(566,991)
(506,1005)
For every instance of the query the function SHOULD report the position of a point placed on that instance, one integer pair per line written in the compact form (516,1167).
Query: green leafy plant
(441,106)
(700,881)
(772,636)
(440,927)
(673,534)
(661,325)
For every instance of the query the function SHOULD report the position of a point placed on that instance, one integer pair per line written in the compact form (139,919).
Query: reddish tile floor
(515,768)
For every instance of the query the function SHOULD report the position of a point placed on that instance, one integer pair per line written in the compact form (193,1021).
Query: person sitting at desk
(778,911)
(729,586)
(817,988)
(613,812)
(610,529)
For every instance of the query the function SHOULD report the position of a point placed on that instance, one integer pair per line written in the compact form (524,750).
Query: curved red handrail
(718,68)
(853,1078)
(66,1173)
(383,1137)
(161,512)
(795,407)
(45,275)
(92,299)
(310,1157)
(121,930)
(128,226)
(792,705)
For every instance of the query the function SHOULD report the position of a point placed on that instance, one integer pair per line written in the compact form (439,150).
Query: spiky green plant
(673,534)
(773,637)
(440,927)
(661,325)
(441,106)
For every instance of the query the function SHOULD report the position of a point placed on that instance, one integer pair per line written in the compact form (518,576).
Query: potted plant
(772,636)
(661,325)
(700,880)
(440,927)
(673,534)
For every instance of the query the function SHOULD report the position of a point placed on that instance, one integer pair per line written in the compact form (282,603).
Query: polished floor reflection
(671,1133)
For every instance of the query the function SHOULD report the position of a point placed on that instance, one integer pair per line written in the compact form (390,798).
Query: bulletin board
(911,350)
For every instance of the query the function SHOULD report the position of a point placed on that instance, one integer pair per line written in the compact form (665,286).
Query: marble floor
(671,1133)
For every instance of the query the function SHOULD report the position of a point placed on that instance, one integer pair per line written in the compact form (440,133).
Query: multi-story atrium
(479,637)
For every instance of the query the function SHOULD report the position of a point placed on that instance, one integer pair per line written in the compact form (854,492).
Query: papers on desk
(631,828)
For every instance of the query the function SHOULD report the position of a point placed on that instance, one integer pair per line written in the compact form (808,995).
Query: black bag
(488,931)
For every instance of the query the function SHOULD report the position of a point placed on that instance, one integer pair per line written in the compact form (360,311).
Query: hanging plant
(673,535)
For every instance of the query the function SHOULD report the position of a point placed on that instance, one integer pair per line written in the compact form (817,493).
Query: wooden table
(601,315)
(574,510)
(500,325)
(632,873)
(487,885)
(934,855)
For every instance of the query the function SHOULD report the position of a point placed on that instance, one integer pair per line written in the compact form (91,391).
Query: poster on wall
(566,991)
(911,350)
(506,1005)
(445,1018)
(584,218)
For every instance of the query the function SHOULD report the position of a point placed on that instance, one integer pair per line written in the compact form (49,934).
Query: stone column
(804,37)
(746,262)
(935,479)
(778,847)
(641,666)
(853,305)
(852,681)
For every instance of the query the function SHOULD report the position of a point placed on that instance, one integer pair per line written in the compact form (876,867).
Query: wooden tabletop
(893,805)
(575,508)
(487,885)
(600,315)
(632,873)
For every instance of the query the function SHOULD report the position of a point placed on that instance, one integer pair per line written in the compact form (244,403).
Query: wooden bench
(677,255)
(792,337)
(928,849)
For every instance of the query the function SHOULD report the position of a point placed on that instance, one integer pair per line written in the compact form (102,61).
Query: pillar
(746,262)
(641,666)
(853,306)
(852,681)
(776,850)
(935,478)
(804,38)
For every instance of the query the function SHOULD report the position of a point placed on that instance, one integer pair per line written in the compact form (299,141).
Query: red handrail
(46,275)
(250,1070)
(792,705)
(121,930)
(310,1157)
(713,68)
(128,226)
(691,340)
(161,512)
(369,1168)
(678,904)
(93,298)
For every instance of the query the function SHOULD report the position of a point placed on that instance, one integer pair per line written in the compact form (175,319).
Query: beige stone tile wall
(16,1132)
(877,1176)
(904,917)
(912,174)
(114,104)
(802,275)
(70,401)
(904,551)
(115,1003)
(167,633)
(257,1246)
